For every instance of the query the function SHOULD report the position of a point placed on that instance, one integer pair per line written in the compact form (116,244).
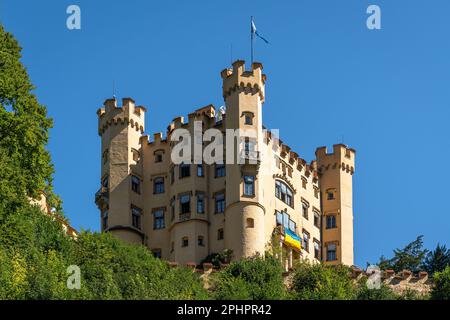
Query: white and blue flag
(255,32)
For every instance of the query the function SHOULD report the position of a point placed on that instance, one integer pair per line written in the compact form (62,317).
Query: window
(316,219)
(331,252)
(105,220)
(105,182)
(316,249)
(248,119)
(249,145)
(200,203)
(305,208)
(331,222)
(185,203)
(304,182)
(220,203)
(316,192)
(249,185)
(158,185)
(185,170)
(158,156)
(306,241)
(136,155)
(158,219)
(185,242)
(157,253)
(200,241)
(250,223)
(330,195)
(172,209)
(292,226)
(284,193)
(199,170)
(105,156)
(136,217)
(220,234)
(286,219)
(220,170)
(136,184)
(289,170)
(279,218)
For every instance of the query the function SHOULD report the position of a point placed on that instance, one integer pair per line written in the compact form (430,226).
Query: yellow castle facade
(184,212)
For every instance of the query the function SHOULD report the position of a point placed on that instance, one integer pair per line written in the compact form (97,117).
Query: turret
(120,129)
(335,180)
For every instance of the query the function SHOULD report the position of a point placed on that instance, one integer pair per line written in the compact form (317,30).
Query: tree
(441,289)
(321,282)
(409,258)
(25,165)
(437,260)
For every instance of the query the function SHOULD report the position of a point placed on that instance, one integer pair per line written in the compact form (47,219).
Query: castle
(185,211)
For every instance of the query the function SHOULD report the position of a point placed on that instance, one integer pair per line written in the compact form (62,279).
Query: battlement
(338,151)
(237,79)
(128,113)
(342,157)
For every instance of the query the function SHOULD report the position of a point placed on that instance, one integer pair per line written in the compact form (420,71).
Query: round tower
(119,196)
(243,92)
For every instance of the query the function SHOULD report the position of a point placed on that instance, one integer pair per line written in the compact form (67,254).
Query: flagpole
(251,38)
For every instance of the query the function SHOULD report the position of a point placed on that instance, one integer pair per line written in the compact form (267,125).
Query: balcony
(102,197)
(250,157)
(184,216)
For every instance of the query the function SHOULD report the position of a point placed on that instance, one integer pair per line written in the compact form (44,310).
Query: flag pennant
(255,32)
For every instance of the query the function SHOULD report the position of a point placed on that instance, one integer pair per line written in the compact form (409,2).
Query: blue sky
(330,79)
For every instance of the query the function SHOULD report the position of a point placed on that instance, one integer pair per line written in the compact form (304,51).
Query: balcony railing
(250,157)
(185,216)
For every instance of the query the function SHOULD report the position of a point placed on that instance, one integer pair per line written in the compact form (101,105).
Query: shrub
(320,282)
(255,278)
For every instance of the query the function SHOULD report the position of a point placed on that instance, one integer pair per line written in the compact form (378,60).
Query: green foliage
(25,166)
(252,278)
(437,260)
(364,293)
(35,254)
(320,282)
(441,289)
(411,257)
(218,258)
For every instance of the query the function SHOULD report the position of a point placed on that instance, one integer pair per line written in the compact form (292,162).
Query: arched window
(284,193)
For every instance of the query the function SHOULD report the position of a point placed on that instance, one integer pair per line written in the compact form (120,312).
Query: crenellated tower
(120,129)
(243,92)
(336,183)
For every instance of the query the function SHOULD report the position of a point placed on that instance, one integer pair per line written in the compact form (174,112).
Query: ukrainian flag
(292,239)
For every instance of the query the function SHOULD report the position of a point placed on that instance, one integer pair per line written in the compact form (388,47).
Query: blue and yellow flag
(292,239)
